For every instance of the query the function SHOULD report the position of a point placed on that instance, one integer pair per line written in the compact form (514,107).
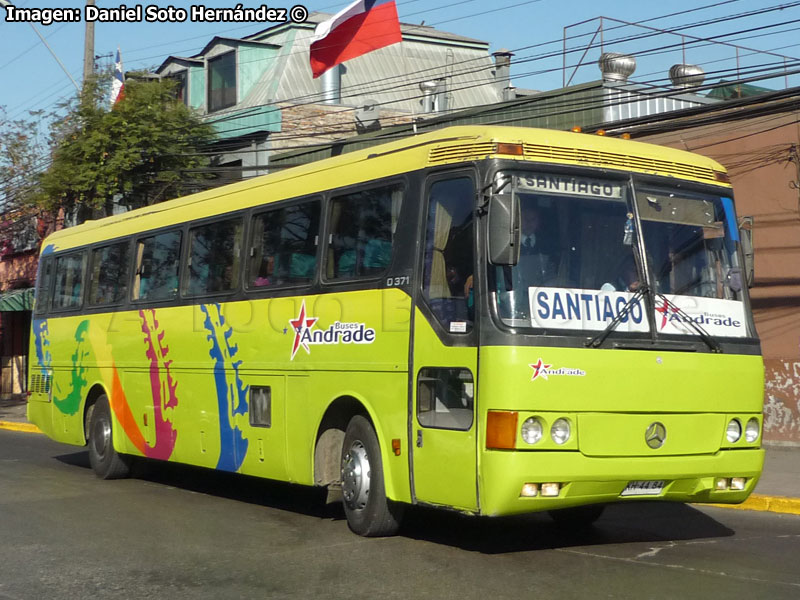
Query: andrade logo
(338,333)
(542,370)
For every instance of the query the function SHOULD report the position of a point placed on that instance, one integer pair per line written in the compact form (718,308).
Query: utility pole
(88,48)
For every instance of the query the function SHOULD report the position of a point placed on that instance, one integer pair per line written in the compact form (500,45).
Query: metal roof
(390,76)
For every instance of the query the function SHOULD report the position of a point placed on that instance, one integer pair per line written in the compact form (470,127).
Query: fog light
(734,431)
(531,430)
(751,431)
(560,431)
(721,484)
(529,490)
(738,483)
(550,489)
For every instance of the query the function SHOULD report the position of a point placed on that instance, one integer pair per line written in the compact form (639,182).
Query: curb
(26,427)
(759,502)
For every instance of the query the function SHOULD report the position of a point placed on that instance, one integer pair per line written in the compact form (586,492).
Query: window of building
(214,258)
(447,277)
(68,289)
(157,260)
(109,274)
(283,249)
(362,230)
(180,92)
(222,81)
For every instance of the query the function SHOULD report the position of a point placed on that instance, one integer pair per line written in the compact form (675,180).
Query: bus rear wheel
(368,511)
(106,462)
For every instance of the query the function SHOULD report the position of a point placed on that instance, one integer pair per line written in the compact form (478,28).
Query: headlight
(532,430)
(734,431)
(751,431)
(560,431)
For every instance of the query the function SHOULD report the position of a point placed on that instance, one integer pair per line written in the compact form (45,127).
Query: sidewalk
(780,479)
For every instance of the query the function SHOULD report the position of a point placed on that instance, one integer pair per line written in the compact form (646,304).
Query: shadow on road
(630,522)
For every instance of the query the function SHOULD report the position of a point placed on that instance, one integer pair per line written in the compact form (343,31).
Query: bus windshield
(578,269)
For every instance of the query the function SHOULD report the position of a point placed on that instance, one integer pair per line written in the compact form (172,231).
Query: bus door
(444,351)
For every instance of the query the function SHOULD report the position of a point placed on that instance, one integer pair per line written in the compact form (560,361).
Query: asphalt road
(176,532)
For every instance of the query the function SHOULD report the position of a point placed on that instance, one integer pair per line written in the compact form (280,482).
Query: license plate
(643,488)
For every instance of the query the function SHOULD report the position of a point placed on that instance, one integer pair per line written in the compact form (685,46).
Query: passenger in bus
(264,272)
(627,279)
(536,265)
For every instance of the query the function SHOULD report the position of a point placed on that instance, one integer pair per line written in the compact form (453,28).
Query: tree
(143,150)
(22,156)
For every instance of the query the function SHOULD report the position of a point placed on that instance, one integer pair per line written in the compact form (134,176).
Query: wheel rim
(101,436)
(356,476)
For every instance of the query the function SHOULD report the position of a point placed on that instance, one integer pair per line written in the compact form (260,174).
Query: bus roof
(451,145)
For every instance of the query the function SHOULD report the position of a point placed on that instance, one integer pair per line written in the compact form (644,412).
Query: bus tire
(577,517)
(368,511)
(106,462)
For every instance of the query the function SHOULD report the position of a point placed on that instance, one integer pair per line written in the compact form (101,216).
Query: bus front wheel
(369,512)
(106,462)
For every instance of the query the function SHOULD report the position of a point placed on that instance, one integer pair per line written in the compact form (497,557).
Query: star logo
(539,369)
(300,325)
(664,310)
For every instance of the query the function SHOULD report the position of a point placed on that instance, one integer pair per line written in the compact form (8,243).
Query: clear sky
(30,78)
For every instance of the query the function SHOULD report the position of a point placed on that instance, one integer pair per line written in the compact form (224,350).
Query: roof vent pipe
(616,66)
(331,81)
(686,76)
(502,73)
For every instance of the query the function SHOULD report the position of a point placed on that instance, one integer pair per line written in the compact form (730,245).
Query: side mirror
(504,220)
(746,239)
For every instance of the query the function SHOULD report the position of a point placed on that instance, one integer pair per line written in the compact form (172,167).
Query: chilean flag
(362,27)
(118,83)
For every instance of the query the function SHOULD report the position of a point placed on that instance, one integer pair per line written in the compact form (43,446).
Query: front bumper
(587,480)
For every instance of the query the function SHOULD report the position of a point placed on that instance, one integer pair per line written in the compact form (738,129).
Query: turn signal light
(512,149)
(722,177)
(501,429)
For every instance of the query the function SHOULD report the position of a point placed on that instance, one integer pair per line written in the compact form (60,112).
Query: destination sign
(569,184)
(593,310)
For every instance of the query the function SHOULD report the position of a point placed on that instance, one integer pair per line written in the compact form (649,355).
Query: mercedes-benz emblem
(655,435)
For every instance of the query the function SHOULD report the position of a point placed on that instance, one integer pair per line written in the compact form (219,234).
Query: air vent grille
(40,383)
(598,158)
(461,152)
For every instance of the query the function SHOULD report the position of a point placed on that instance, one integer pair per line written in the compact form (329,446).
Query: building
(259,94)
(19,245)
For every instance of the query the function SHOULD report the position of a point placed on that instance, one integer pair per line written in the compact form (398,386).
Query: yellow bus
(489,319)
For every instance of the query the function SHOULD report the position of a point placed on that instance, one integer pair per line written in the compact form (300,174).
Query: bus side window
(214,257)
(283,248)
(70,271)
(157,260)
(447,276)
(110,267)
(362,229)
(44,285)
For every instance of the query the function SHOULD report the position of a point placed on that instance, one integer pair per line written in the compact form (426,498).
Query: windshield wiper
(687,319)
(598,340)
